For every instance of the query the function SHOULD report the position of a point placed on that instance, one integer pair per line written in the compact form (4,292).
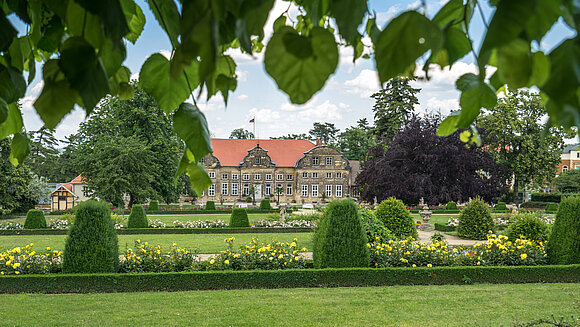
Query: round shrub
(394,214)
(34,219)
(528,226)
(265,205)
(475,220)
(153,206)
(340,240)
(209,205)
(451,206)
(564,242)
(374,228)
(249,199)
(239,218)
(551,207)
(500,206)
(137,218)
(91,245)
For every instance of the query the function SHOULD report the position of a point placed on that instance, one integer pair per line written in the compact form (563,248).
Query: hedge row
(444,228)
(330,277)
(133,231)
(438,211)
(550,197)
(177,212)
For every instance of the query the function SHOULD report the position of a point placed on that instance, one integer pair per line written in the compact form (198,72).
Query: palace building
(299,171)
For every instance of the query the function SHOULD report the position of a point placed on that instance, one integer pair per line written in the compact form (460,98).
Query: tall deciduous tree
(240,133)
(356,141)
(128,147)
(14,183)
(394,106)
(326,132)
(420,164)
(302,136)
(518,139)
(568,181)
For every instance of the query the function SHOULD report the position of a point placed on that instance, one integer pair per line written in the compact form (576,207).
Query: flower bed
(10,226)
(200,224)
(286,224)
(24,260)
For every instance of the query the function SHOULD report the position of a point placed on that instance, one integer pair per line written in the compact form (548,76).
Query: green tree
(326,132)
(568,181)
(128,147)
(83,47)
(394,106)
(292,137)
(356,141)
(240,133)
(517,139)
(14,183)
(44,155)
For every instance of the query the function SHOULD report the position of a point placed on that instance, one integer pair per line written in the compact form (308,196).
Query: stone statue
(282,212)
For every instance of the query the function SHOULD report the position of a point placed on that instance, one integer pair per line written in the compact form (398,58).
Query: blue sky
(344,99)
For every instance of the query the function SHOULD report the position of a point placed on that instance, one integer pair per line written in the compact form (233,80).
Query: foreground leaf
(449,125)
(190,125)
(349,16)
(135,19)
(13,123)
(301,65)
(475,94)
(12,84)
(19,149)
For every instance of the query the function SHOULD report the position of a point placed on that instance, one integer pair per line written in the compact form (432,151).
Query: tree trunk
(516,187)
(131,201)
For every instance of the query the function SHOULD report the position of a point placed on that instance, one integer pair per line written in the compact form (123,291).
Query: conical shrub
(564,242)
(340,240)
(209,205)
(239,218)
(35,219)
(265,204)
(475,220)
(394,214)
(153,205)
(138,218)
(91,245)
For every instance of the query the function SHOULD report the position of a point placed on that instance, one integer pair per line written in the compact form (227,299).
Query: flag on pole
(253,120)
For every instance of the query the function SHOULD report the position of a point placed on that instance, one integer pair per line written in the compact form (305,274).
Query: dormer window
(315,160)
(258,161)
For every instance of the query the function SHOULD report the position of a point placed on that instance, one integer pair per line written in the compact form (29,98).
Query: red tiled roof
(78,180)
(68,186)
(284,153)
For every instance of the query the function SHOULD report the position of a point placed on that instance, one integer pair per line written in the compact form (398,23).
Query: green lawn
(206,243)
(449,305)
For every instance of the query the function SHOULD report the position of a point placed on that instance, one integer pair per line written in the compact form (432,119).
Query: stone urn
(425,214)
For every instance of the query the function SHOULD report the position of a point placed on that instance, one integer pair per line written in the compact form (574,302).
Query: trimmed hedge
(451,206)
(265,204)
(500,207)
(564,242)
(552,207)
(444,228)
(153,206)
(439,211)
(34,219)
(394,214)
(176,212)
(528,226)
(475,220)
(239,218)
(169,231)
(209,205)
(137,218)
(546,197)
(330,277)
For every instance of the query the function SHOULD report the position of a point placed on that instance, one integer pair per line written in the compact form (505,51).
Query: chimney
(318,142)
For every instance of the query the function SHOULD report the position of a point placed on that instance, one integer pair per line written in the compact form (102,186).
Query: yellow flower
(429,265)
(368,245)
(271,258)
(17,272)
(280,256)
(414,265)
(212,262)
(16,265)
(523,256)
(227,262)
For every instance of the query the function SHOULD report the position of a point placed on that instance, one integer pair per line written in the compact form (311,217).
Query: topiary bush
(249,199)
(239,218)
(475,220)
(91,245)
(528,226)
(340,240)
(265,205)
(451,206)
(397,219)
(153,206)
(564,241)
(209,205)
(34,219)
(137,218)
(551,207)
(500,206)
(374,228)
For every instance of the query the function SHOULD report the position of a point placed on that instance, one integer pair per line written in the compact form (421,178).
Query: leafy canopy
(81,46)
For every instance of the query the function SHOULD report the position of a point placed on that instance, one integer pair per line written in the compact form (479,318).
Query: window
(577,154)
(339,191)
(211,191)
(268,177)
(289,189)
(268,189)
(328,175)
(235,177)
(224,176)
(314,190)
(279,177)
(258,161)
(328,161)
(211,174)
(315,160)
(328,190)
(246,190)
(289,177)
(304,175)
(257,177)
(304,190)
(234,188)
(564,168)
(224,188)
(246,177)
(338,175)
(314,175)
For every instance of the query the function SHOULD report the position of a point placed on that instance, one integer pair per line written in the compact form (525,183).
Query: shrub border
(133,231)
(344,277)
(175,212)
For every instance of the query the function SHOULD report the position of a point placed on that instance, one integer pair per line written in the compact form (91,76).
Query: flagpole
(255,136)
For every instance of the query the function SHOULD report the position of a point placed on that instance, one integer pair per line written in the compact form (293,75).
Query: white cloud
(365,84)
(242,75)
(263,115)
(242,97)
(165,53)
